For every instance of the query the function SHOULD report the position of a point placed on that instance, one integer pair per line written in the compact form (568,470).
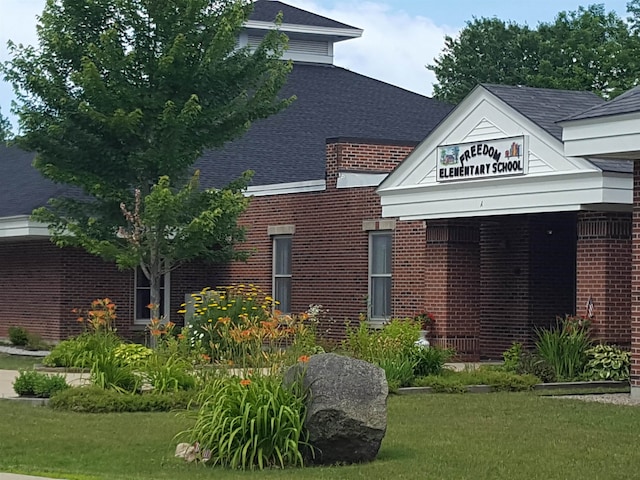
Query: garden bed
(563,388)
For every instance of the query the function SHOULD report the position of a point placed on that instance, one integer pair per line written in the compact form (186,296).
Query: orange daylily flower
(303,358)
(245,382)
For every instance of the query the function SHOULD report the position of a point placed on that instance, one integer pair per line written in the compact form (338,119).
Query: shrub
(565,347)
(430,360)
(456,382)
(92,399)
(35,384)
(607,362)
(18,336)
(251,422)
(398,337)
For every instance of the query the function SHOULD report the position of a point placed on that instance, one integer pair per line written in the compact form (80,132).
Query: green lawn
(490,436)
(17,362)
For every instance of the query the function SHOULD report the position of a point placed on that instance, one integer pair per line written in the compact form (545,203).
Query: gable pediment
(484,119)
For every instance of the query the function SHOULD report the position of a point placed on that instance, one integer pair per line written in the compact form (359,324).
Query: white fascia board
(308,57)
(306,29)
(286,188)
(602,136)
(518,195)
(358,179)
(22,226)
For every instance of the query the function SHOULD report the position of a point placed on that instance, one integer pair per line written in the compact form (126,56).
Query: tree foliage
(587,49)
(5,129)
(123,96)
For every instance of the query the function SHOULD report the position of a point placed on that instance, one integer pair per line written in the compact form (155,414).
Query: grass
(17,362)
(492,436)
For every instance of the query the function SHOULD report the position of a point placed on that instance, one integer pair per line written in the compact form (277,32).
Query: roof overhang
(561,192)
(22,228)
(614,136)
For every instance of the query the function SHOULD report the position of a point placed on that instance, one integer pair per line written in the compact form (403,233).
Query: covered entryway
(517,232)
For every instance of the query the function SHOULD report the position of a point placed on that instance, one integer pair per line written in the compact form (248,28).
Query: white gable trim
(336,33)
(554,182)
(22,226)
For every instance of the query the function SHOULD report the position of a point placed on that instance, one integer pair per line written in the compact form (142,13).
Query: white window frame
(167,298)
(276,276)
(379,320)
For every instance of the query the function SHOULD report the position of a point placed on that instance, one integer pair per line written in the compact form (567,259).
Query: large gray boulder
(346,408)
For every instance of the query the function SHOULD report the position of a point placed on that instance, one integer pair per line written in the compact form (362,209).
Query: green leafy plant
(18,336)
(168,373)
(398,337)
(532,364)
(92,399)
(107,371)
(430,360)
(512,356)
(398,369)
(255,422)
(36,384)
(607,362)
(132,354)
(565,347)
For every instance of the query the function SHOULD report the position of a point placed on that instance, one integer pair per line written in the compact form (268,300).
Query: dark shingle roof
(22,188)
(287,147)
(267,10)
(331,102)
(628,102)
(545,106)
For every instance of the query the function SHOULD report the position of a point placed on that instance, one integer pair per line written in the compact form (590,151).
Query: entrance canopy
(500,152)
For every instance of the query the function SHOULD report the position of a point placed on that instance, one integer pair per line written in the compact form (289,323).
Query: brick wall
(504,244)
(453,265)
(635,280)
(604,273)
(330,246)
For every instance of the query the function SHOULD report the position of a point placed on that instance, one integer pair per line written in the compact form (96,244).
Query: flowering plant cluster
(100,317)
(425,318)
(238,326)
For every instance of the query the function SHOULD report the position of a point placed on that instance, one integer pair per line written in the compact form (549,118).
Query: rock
(346,408)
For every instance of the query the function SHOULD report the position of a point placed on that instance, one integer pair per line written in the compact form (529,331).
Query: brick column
(453,284)
(603,273)
(635,286)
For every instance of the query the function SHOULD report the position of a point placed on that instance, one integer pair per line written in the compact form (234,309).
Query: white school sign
(491,158)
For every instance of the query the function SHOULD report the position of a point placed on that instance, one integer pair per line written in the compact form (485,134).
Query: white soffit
(20,227)
(616,136)
(552,183)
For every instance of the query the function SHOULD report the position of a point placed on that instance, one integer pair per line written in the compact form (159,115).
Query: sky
(400,36)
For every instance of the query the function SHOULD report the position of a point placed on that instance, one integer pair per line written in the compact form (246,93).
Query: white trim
(356,179)
(568,191)
(21,226)
(167,299)
(336,33)
(286,188)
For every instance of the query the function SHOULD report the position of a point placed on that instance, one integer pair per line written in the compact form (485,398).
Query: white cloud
(395,46)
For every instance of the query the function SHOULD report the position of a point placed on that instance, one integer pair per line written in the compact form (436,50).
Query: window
(143,297)
(380,275)
(282,272)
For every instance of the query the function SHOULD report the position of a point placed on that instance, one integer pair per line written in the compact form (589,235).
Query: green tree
(5,129)
(588,49)
(120,96)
